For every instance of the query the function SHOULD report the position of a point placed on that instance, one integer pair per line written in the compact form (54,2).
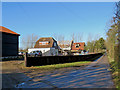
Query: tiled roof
(81,47)
(64,45)
(6,30)
(45,39)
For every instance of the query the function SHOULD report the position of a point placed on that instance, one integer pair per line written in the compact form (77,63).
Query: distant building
(65,47)
(47,45)
(72,48)
(78,46)
(10,42)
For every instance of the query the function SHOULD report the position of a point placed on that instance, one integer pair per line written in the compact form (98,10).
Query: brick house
(76,48)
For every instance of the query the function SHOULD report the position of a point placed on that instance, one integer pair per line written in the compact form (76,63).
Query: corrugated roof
(6,30)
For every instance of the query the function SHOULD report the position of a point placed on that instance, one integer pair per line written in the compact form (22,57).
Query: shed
(10,42)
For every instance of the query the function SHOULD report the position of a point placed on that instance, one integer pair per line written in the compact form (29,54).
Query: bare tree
(73,37)
(29,41)
(33,40)
(117,23)
(77,37)
(90,37)
(117,19)
(60,38)
(97,36)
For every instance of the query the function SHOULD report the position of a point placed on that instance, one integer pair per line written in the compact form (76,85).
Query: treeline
(96,46)
(113,46)
(111,41)
(113,35)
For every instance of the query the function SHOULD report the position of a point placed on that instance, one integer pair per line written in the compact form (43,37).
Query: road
(95,75)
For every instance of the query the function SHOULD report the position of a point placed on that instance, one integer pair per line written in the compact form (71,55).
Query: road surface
(95,75)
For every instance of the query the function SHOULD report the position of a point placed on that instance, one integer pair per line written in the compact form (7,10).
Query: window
(44,42)
(54,44)
(77,45)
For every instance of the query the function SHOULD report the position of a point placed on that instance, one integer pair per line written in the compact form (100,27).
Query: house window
(54,44)
(44,42)
(77,45)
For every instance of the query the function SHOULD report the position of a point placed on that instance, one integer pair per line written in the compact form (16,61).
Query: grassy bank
(56,66)
(60,65)
(115,72)
(64,65)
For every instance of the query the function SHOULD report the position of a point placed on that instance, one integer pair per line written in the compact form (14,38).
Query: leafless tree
(29,41)
(60,38)
(117,19)
(90,37)
(73,37)
(96,37)
(77,37)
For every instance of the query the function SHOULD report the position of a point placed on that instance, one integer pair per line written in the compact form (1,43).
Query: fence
(10,58)
(47,60)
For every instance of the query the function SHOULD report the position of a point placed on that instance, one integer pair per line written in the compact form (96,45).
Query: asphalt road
(95,75)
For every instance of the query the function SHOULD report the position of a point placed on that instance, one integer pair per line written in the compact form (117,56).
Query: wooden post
(26,64)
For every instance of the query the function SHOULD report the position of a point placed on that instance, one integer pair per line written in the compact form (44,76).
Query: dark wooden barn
(10,42)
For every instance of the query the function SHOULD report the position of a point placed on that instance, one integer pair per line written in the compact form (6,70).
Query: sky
(47,19)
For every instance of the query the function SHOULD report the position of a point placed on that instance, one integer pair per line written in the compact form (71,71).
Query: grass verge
(57,66)
(64,65)
(115,72)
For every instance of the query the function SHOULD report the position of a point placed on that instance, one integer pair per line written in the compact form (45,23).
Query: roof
(79,43)
(48,41)
(64,45)
(79,47)
(6,30)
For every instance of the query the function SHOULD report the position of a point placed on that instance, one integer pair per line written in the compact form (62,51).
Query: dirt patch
(11,75)
(14,72)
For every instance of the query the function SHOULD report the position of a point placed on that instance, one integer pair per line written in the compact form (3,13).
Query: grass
(115,72)
(56,66)
(64,65)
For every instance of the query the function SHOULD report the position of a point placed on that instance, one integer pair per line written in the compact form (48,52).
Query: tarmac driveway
(96,75)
